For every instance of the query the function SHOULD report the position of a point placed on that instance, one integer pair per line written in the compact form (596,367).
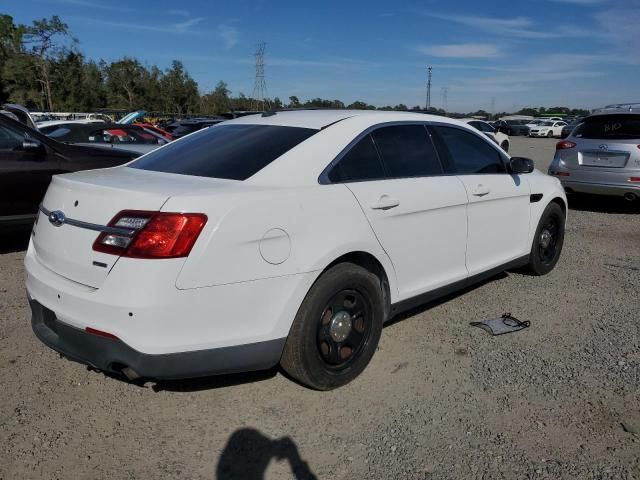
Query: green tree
(178,89)
(47,40)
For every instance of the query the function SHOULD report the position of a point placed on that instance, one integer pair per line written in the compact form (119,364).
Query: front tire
(337,328)
(505,146)
(549,134)
(548,241)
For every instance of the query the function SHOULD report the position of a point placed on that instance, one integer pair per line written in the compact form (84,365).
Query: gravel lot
(440,400)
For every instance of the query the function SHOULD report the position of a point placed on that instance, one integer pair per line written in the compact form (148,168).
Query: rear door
(25,173)
(416,211)
(499,203)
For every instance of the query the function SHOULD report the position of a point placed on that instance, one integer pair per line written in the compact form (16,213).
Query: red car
(155,129)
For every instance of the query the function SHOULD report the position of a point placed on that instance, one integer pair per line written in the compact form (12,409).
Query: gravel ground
(440,399)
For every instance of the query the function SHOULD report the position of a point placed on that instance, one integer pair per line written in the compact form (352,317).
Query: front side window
(10,139)
(360,163)
(233,152)
(468,153)
(407,151)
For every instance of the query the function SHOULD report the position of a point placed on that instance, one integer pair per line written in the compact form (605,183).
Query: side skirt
(432,295)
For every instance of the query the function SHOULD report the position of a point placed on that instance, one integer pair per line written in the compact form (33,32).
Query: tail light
(141,234)
(634,179)
(565,144)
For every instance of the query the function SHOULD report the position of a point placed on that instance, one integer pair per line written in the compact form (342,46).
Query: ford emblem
(56,218)
(603,147)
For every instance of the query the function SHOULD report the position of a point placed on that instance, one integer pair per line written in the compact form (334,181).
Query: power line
(260,87)
(429,88)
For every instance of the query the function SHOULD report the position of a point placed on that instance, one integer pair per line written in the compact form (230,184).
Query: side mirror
(521,165)
(31,145)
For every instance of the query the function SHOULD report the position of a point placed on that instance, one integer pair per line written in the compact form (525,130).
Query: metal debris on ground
(503,324)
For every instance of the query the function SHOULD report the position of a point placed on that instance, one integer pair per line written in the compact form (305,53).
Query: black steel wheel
(337,328)
(548,240)
(344,327)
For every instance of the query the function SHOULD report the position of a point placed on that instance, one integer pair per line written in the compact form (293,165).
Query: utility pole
(493,107)
(445,99)
(260,87)
(429,88)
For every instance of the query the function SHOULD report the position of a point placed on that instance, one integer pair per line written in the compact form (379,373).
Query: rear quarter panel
(274,232)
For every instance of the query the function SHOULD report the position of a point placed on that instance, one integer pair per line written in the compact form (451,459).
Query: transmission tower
(445,99)
(429,88)
(260,88)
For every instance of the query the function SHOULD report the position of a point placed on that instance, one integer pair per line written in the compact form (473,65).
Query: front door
(499,203)
(25,172)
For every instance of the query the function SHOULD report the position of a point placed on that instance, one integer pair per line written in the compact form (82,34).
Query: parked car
(547,129)
(517,127)
(155,129)
(107,135)
(28,159)
(568,128)
(185,127)
(495,135)
(601,155)
(286,237)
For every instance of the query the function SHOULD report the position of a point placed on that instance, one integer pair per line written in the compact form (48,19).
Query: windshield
(546,124)
(623,127)
(234,152)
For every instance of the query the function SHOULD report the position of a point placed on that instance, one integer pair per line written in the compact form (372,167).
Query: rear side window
(10,139)
(469,153)
(610,127)
(360,163)
(407,151)
(234,152)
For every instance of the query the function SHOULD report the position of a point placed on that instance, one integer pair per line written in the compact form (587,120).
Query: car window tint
(407,151)
(361,162)
(234,152)
(609,127)
(469,153)
(10,139)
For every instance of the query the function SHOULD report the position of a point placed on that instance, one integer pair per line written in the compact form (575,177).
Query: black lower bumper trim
(114,355)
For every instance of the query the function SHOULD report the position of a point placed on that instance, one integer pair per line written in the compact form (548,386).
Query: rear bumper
(113,355)
(600,188)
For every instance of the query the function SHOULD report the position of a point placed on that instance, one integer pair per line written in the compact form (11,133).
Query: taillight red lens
(565,144)
(151,234)
(634,179)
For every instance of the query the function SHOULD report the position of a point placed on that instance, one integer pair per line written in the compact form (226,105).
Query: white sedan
(286,237)
(547,129)
(497,136)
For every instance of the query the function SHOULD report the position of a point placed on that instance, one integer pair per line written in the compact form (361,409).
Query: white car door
(417,213)
(499,203)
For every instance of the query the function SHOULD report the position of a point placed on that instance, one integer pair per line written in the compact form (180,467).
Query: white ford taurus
(287,237)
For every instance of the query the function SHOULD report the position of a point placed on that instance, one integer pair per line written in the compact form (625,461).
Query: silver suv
(602,154)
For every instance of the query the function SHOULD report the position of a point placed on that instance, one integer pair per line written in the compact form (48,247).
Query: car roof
(322,118)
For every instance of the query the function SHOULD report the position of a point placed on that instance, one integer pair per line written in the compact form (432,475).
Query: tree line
(42,68)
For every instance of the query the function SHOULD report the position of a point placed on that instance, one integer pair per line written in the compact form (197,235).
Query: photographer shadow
(248,454)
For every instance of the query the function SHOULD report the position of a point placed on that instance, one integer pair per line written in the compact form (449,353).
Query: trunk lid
(95,197)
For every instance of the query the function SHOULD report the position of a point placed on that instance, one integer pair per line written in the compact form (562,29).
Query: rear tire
(548,241)
(337,328)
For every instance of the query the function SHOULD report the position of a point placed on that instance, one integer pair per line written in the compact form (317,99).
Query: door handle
(385,202)
(481,191)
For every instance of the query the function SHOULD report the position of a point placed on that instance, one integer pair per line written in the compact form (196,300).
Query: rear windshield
(233,152)
(623,127)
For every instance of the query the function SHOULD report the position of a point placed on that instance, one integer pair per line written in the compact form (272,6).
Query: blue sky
(580,53)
